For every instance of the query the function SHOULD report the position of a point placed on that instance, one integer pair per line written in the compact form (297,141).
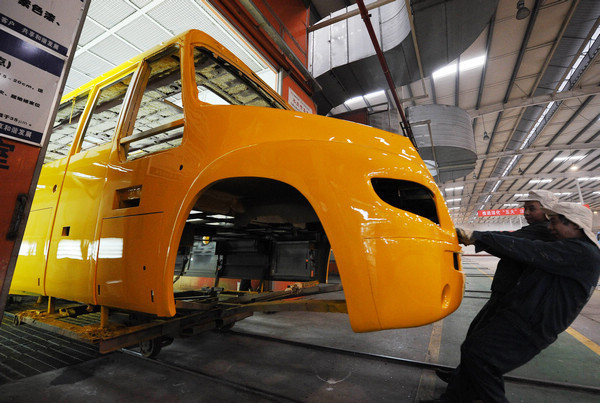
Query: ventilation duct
(444,135)
(342,58)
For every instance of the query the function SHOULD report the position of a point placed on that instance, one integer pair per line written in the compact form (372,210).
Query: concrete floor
(217,366)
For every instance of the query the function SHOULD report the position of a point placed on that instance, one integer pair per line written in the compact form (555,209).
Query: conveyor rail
(197,312)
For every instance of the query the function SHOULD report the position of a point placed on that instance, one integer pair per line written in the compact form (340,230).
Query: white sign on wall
(297,103)
(37,37)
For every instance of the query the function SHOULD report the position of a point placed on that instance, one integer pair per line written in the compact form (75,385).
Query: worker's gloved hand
(465,236)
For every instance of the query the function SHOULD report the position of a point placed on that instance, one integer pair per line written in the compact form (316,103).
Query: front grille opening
(408,196)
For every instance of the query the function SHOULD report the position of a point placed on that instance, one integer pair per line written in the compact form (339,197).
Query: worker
(508,271)
(559,279)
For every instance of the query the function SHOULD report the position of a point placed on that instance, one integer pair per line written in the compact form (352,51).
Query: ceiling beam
(488,45)
(557,41)
(533,150)
(539,100)
(530,25)
(559,175)
(345,16)
(587,192)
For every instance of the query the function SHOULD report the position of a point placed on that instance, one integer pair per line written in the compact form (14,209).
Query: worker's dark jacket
(508,271)
(558,280)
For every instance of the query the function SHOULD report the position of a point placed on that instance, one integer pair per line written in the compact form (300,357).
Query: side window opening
(65,126)
(102,122)
(405,195)
(220,83)
(159,122)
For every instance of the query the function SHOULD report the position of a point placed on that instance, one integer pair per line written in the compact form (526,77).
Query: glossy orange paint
(106,228)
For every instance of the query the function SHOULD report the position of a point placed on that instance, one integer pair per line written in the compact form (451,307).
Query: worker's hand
(465,236)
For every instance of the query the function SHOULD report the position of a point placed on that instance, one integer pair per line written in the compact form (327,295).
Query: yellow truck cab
(181,163)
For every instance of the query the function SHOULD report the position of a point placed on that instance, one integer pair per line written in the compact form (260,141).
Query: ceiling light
(445,71)
(452,200)
(522,11)
(570,158)
(464,65)
(540,181)
(455,188)
(510,165)
(355,100)
(536,125)
(374,94)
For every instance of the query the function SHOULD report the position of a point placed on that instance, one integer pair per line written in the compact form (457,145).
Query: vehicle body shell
(105,230)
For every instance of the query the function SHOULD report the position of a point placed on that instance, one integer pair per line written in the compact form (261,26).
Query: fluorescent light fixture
(595,178)
(496,186)
(521,194)
(536,125)
(473,63)
(445,71)
(579,59)
(453,200)
(456,208)
(361,98)
(509,167)
(571,158)
(455,188)
(374,94)
(464,65)
(355,100)
(540,181)
(596,193)
(560,194)
(511,204)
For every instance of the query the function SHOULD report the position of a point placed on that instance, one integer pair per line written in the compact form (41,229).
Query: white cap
(577,214)
(545,197)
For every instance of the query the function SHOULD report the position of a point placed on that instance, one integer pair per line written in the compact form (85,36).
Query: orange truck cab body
(182,161)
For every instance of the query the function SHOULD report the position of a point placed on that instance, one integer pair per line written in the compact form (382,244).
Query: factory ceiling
(528,81)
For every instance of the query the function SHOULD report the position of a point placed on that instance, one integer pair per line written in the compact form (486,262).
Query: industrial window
(101,125)
(220,83)
(65,127)
(408,196)
(159,122)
